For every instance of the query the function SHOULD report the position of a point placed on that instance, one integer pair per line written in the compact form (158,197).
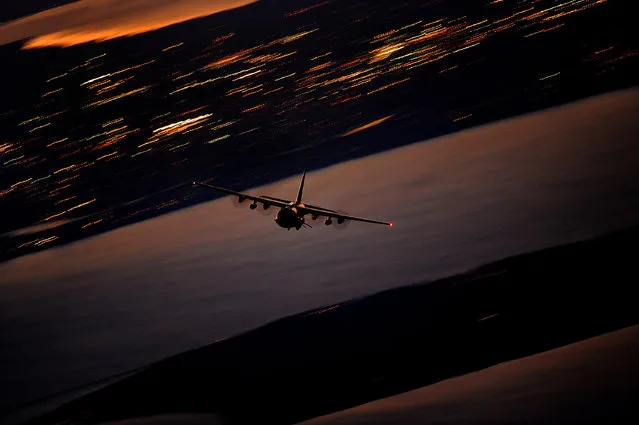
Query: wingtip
(390,224)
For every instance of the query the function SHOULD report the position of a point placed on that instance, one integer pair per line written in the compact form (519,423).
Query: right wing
(321,212)
(259,199)
(308,206)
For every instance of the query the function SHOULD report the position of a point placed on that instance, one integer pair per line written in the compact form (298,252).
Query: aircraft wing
(319,208)
(270,198)
(258,199)
(333,214)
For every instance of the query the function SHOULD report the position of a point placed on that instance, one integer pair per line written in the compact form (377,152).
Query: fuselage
(289,217)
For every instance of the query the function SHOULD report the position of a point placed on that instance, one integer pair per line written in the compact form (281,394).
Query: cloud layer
(100,20)
(123,299)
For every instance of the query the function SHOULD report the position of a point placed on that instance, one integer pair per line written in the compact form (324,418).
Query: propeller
(341,223)
(315,217)
(240,202)
(265,209)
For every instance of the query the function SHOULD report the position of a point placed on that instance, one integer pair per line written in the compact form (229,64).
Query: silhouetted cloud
(99,20)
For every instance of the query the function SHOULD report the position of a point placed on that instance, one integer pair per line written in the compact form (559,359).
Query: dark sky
(15,9)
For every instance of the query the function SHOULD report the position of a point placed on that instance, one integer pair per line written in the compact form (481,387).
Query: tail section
(298,200)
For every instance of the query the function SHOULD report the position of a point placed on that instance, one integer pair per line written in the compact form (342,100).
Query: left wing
(270,198)
(260,199)
(334,214)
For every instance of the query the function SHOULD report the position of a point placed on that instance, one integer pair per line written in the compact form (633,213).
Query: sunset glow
(89,21)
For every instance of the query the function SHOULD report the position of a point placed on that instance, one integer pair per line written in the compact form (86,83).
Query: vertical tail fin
(301,189)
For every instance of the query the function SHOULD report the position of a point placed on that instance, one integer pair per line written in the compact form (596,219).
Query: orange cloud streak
(367,126)
(89,21)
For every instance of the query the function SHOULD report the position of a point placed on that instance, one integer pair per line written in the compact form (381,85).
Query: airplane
(292,213)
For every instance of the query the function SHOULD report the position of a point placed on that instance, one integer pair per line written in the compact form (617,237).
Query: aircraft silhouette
(292,213)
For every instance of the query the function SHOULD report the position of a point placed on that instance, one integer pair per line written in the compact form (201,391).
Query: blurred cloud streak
(99,20)
(37,228)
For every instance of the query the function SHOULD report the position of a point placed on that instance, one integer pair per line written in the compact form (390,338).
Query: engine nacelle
(314,216)
(254,205)
(341,220)
(266,206)
(328,222)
